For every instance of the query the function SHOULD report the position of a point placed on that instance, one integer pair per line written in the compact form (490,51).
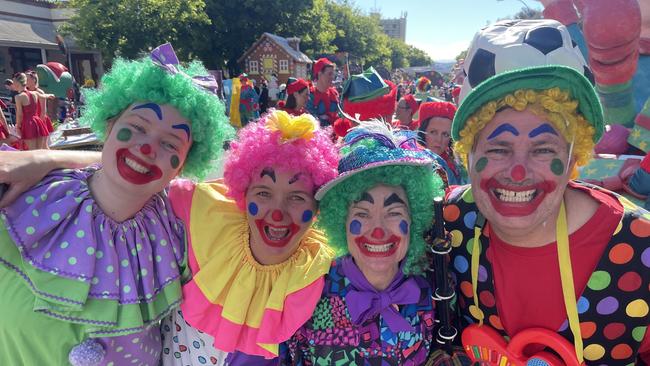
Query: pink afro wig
(257,147)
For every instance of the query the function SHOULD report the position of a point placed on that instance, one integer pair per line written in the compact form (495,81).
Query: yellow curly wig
(554,104)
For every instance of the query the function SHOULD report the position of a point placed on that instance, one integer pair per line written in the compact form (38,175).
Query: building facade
(28,37)
(395,27)
(272,54)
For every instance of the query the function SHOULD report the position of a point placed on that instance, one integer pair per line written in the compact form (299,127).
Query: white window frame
(253,67)
(283,66)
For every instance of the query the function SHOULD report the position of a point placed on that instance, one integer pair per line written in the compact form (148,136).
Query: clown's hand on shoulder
(20,170)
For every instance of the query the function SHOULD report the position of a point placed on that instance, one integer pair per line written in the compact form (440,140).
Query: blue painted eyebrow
(543,128)
(153,106)
(506,127)
(184,127)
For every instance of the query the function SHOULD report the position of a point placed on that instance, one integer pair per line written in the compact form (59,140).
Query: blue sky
(444,28)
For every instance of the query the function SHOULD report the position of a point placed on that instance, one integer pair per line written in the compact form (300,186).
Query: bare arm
(3,120)
(22,169)
(19,113)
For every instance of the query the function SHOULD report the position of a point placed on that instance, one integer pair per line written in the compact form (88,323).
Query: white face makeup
(280,208)
(519,170)
(146,147)
(378,229)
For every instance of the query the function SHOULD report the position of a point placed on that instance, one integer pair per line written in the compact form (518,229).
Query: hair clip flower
(292,128)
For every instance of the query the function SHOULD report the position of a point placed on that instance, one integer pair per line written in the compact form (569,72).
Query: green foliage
(127,28)
(461,55)
(218,32)
(417,57)
(314,28)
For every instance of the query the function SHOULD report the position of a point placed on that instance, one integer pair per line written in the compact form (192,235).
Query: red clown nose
(518,173)
(377,233)
(145,149)
(277,215)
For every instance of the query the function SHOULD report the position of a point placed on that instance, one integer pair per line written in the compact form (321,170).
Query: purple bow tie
(365,302)
(165,57)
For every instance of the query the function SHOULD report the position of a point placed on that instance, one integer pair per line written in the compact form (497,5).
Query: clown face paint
(124,134)
(280,206)
(517,186)
(140,146)
(481,164)
(378,230)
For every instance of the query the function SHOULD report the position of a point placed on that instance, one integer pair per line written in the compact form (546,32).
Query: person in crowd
(323,97)
(249,108)
(91,259)
(11,89)
(297,97)
(434,132)
(264,97)
(257,264)
(455,94)
(32,128)
(5,136)
(407,106)
(253,228)
(32,85)
(522,134)
(366,96)
(376,307)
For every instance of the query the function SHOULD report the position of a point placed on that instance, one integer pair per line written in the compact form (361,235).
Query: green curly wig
(140,80)
(421,185)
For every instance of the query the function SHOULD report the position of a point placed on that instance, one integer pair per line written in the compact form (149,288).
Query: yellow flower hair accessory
(292,128)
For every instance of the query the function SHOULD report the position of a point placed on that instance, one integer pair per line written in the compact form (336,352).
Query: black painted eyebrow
(393,198)
(295,178)
(268,171)
(365,196)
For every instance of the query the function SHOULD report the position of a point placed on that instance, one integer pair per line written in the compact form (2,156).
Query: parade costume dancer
(366,96)
(257,264)
(32,128)
(92,259)
(297,97)
(375,307)
(522,134)
(323,97)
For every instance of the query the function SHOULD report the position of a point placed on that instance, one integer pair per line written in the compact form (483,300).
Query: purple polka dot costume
(98,287)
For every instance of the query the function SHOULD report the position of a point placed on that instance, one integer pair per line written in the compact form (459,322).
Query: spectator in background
(264,97)
(297,96)
(41,108)
(5,136)
(434,132)
(323,99)
(9,85)
(406,108)
(29,124)
(366,96)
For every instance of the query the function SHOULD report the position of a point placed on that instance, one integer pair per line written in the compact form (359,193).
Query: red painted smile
(134,170)
(274,235)
(381,249)
(516,200)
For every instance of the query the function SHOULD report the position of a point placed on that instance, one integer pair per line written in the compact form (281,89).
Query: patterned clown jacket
(614,302)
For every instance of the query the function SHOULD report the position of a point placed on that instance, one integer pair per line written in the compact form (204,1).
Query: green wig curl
(421,185)
(140,80)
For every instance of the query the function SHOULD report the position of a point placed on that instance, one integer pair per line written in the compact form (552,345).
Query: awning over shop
(21,32)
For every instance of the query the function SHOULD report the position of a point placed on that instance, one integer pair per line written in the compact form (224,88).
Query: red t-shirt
(527,283)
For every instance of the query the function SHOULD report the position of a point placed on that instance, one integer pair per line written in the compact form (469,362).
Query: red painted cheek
(145,149)
(518,173)
(276,215)
(377,233)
